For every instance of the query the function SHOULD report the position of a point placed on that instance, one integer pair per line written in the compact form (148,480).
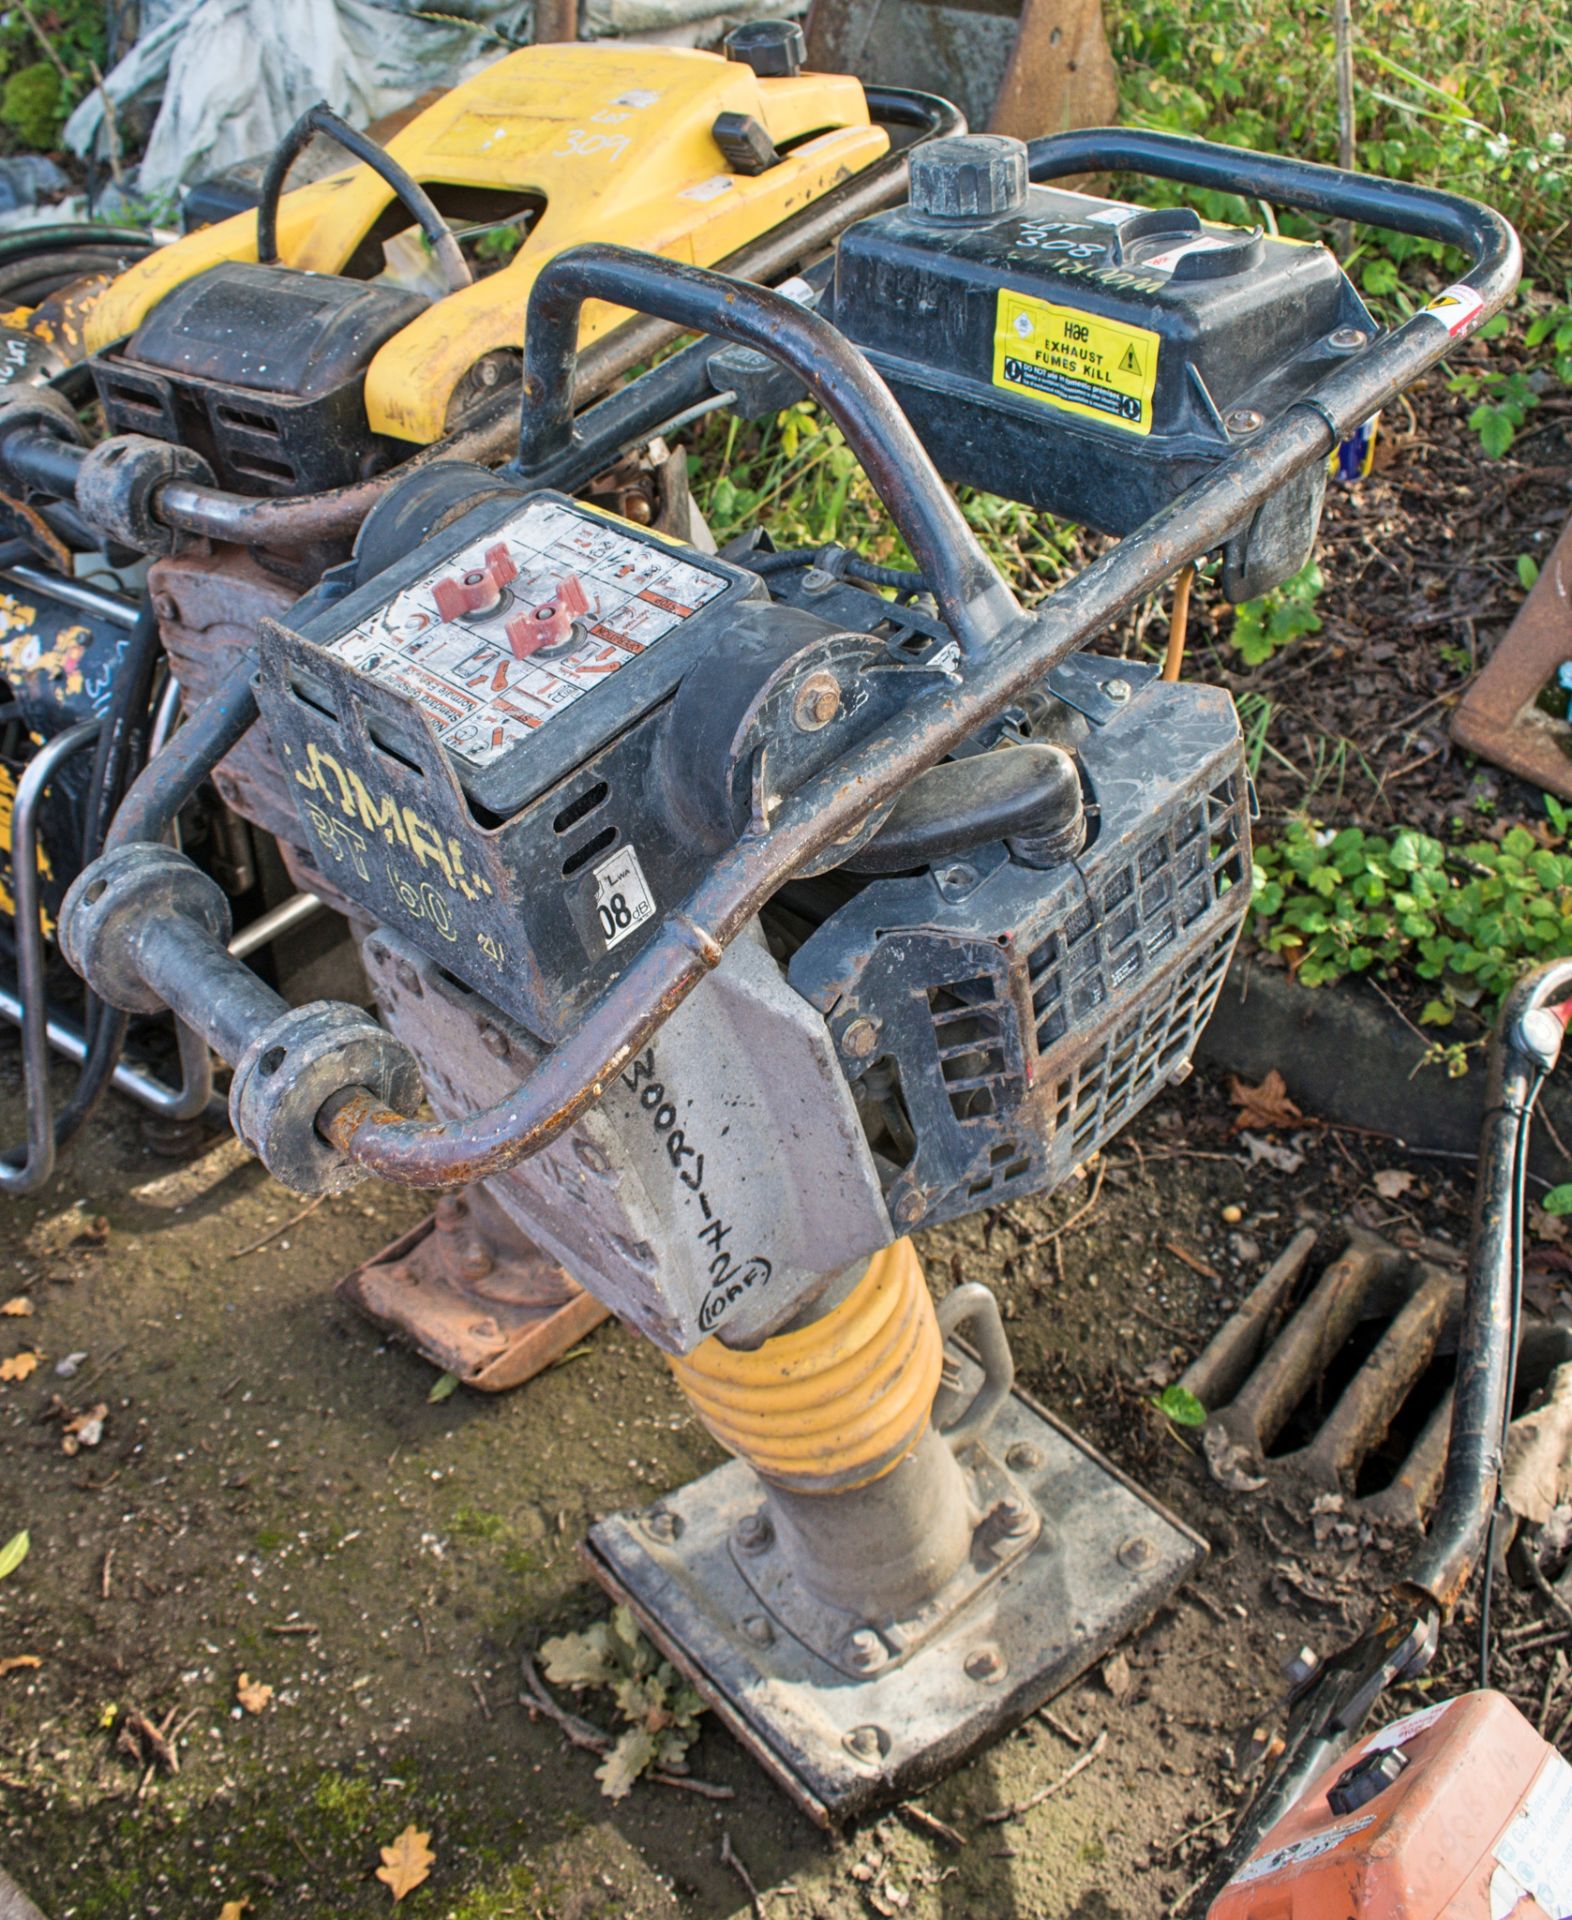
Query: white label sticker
(1455,308)
(623,900)
(524,622)
(1166,261)
(1402,1731)
(1310,1848)
(1536,1848)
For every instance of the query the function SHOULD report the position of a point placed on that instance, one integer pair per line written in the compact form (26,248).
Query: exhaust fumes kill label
(1100,369)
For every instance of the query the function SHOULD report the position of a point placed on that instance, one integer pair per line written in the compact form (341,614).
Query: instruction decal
(1077,362)
(524,622)
(1536,1848)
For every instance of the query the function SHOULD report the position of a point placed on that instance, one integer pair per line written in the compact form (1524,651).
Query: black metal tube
(422,208)
(174,774)
(1486,1344)
(974,600)
(42,462)
(203,985)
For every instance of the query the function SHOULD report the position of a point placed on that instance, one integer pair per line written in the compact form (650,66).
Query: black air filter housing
(262,371)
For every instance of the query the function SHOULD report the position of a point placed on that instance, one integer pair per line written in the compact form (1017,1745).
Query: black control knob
(975,176)
(775,49)
(1365,1779)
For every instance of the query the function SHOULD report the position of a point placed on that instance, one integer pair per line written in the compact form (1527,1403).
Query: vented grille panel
(1105,1087)
(1137,913)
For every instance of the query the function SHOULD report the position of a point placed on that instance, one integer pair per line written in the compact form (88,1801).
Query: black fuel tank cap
(775,49)
(974,176)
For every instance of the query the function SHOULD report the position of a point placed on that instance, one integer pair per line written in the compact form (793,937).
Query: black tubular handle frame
(322,119)
(1011,651)
(974,600)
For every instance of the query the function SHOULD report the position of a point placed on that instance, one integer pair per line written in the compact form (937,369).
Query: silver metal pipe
(74,593)
(284,918)
(139,1083)
(26,1168)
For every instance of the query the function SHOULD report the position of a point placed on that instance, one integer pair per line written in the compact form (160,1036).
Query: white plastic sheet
(233,75)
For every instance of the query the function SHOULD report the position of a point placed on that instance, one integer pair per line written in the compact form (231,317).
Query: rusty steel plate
(840,1746)
(1498,718)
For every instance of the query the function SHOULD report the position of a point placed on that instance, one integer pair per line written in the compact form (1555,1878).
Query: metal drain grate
(1350,1389)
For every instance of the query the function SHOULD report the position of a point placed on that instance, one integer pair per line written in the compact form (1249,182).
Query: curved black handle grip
(974,600)
(422,208)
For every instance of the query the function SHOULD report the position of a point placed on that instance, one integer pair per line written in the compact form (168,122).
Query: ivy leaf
(406,1863)
(1181,1406)
(1558,1200)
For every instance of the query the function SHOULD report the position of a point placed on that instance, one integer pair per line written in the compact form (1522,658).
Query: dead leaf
(84,1429)
(1268,1152)
(254,1696)
(13,1663)
(95,1233)
(1267,1107)
(1231,1465)
(406,1863)
(18,1307)
(1392,1183)
(234,1910)
(18,1366)
(1117,1678)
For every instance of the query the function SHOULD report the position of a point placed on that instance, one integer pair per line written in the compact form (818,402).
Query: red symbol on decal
(551,622)
(479,589)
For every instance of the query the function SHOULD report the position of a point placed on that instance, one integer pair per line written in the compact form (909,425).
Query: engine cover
(528,739)
(262,371)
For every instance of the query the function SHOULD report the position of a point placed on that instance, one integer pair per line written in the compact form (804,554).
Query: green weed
(1461,922)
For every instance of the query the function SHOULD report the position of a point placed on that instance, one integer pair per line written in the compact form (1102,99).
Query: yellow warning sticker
(1076,361)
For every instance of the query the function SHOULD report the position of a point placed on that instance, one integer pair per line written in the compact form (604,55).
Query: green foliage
(660,1709)
(1465,94)
(13,1553)
(1459,922)
(796,476)
(1558,1200)
(30,104)
(1504,396)
(1181,1406)
(1263,627)
(36,42)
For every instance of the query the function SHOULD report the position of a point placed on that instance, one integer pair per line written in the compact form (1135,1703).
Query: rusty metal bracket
(1499,717)
(473,1294)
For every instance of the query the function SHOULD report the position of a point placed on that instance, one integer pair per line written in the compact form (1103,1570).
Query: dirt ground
(273,1496)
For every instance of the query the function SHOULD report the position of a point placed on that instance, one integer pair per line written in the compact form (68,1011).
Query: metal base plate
(470,1293)
(1106,1558)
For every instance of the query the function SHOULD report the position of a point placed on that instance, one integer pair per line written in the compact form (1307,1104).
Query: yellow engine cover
(615,138)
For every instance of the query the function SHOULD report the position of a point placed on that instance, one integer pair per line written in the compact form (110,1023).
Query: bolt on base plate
(1103,1562)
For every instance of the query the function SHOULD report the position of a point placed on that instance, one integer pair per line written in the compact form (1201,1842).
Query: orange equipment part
(1460,1810)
